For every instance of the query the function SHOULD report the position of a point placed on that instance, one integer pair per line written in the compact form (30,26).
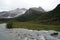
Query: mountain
(31,14)
(38,9)
(12,13)
(38,16)
(52,17)
(35,15)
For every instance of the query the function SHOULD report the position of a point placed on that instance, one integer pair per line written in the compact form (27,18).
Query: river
(25,34)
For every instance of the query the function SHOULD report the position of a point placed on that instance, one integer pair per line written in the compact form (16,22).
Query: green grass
(34,26)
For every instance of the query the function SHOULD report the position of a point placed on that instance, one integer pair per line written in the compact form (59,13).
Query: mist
(47,5)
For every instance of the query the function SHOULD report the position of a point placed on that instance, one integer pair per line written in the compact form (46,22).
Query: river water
(25,34)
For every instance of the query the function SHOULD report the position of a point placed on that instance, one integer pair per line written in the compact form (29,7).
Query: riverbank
(35,26)
(26,34)
(32,26)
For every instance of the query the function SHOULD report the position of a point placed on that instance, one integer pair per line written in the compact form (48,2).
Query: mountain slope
(36,16)
(30,14)
(33,14)
(12,13)
(52,17)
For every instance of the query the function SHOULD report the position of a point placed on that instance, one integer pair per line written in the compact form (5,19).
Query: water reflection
(4,35)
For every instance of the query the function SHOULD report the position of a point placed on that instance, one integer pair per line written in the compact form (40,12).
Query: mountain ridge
(30,14)
(36,16)
(51,17)
(12,13)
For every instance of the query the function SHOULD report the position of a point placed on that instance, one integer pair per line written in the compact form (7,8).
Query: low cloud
(13,4)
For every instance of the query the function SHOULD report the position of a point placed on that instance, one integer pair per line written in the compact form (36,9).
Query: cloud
(13,4)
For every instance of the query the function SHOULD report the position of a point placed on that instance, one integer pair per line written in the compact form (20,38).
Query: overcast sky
(13,4)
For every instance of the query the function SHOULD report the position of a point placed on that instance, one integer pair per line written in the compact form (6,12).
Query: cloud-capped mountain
(12,13)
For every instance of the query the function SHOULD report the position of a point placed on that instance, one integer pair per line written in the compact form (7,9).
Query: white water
(25,34)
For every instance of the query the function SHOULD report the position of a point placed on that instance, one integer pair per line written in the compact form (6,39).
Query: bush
(9,25)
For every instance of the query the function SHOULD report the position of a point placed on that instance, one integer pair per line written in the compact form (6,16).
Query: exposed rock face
(55,34)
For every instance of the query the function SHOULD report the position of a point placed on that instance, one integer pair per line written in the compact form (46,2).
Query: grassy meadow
(34,26)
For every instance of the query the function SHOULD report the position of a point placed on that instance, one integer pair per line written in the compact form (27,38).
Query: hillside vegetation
(36,20)
(51,17)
